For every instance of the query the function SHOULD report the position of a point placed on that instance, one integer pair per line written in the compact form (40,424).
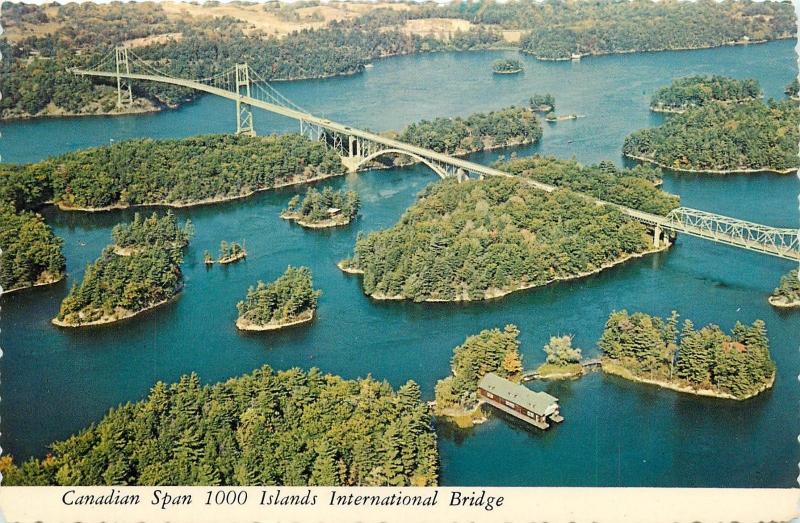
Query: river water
(616,433)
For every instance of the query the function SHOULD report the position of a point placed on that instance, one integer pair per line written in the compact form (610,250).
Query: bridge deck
(788,247)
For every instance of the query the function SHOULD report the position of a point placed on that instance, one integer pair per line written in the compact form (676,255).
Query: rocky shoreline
(244,324)
(711,171)
(119,314)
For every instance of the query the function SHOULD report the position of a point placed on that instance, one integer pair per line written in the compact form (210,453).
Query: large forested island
(289,300)
(636,188)
(787,294)
(707,362)
(41,42)
(325,208)
(31,253)
(476,132)
(694,91)
(138,274)
(489,351)
(750,136)
(483,239)
(264,428)
(189,171)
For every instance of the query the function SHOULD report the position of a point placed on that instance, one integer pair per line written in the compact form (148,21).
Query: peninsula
(336,419)
(289,300)
(705,362)
(128,279)
(325,208)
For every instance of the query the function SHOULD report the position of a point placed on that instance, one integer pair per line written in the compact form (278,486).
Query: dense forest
(127,279)
(635,188)
(489,351)
(560,29)
(787,293)
(42,42)
(749,136)
(323,207)
(507,66)
(476,132)
(171,172)
(482,239)
(289,299)
(152,231)
(264,428)
(31,253)
(651,348)
(694,91)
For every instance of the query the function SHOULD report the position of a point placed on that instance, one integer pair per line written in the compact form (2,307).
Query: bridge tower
(244,113)
(124,91)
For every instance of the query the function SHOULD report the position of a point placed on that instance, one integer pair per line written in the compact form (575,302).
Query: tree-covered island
(706,362)
(723,137)
(543,103)
(478,240)
(562,359)
(325,208)
(507,66)
(31,253)
(787,294)
(477,132)
(492,350)
(177,173)
(793,90)
(696,91)
(130,278)
(230,252)
(264,428)
(289,300)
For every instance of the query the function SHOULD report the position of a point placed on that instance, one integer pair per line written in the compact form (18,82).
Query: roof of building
(536,402)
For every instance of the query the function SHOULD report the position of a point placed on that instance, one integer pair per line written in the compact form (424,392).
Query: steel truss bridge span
(358,147)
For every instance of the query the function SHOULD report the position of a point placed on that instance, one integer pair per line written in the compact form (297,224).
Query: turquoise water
(616,433)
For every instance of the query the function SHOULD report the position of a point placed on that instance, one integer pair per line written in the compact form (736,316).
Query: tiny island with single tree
(289,300)
(507,66)
(563,360)
(787,294)
(139,272)
(706,362)
(325,208)
(491,351)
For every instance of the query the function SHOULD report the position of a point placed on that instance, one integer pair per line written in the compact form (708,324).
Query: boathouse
(536,408)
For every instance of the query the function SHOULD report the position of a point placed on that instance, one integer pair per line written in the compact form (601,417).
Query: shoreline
(107,320)
(246,325)
(206,201)
(711,171)
(615,369)
(50,281)
(294,217)
(493,293)
(782,302)
(670,110)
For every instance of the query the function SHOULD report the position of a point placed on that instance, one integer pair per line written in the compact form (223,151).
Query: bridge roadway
(654,220)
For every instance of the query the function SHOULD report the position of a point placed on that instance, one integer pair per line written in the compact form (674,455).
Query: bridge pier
(660,237)
(244,113)
(124,90)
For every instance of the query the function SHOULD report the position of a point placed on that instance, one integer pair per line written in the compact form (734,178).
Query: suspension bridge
(357,148)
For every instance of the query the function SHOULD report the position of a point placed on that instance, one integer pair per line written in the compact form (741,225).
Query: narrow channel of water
(616,433)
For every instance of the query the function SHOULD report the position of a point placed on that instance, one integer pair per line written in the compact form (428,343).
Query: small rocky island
(326,208)
(507,66)
(705,362)
(140,271)
(542,103)
(563,360)
(787,294)
(490,351)
(289,300)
